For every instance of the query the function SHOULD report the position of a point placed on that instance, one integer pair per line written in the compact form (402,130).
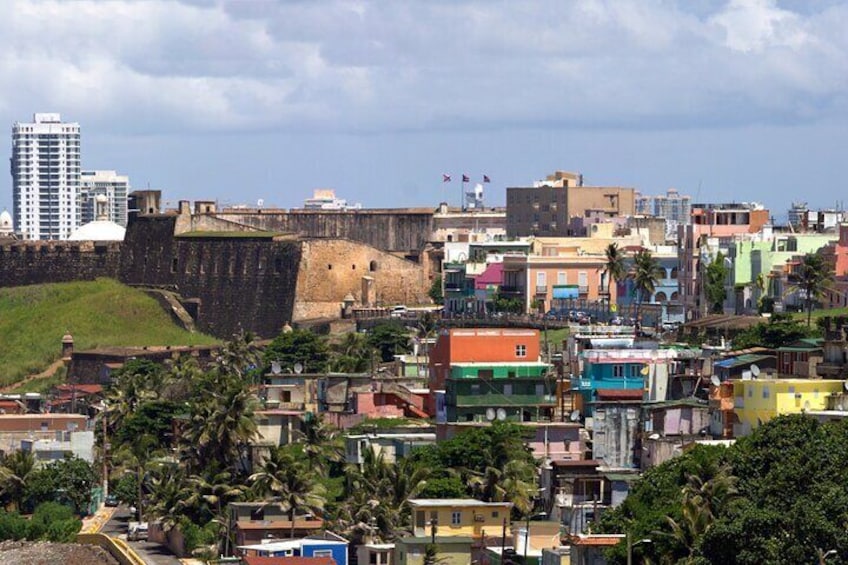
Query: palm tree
(322,445)
(169,491)
(646,273)
(614,268)
(811,277)
(135,456)
(14,472)
(353,354)
(284,479)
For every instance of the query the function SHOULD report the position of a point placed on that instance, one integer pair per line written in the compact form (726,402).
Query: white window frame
(521,350)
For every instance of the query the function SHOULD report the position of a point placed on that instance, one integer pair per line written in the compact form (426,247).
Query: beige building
(546,208)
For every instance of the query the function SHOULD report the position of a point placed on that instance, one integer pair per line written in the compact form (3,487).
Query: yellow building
(758,401)
(458,527)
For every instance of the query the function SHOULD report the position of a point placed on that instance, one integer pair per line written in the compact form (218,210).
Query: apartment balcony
(583,290)
(541,290)
(497,400)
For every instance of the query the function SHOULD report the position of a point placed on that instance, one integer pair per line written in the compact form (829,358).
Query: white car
(137,531)
(399,311)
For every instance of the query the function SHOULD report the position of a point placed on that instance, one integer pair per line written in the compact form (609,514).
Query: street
(152,553)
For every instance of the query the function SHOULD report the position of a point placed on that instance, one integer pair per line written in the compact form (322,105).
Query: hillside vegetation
(101,313)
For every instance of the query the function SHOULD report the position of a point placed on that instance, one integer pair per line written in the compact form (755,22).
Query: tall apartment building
(45,167)
(672,206)
(109,184)
(546,208)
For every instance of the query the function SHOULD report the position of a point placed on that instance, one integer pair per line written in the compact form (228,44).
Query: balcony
(506,289)
(543,290)
(499,400)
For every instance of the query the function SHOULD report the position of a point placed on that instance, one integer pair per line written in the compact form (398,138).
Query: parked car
(137,531)
(399,311)
(111,500)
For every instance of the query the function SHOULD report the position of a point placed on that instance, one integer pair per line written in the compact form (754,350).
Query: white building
(325,199)
(45,168)
(109,184)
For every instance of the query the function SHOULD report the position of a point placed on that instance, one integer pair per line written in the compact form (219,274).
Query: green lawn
(33,320)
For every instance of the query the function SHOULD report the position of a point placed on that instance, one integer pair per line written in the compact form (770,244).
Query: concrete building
(546,208)
(758,401)
(325,199)
(672,206)
(113,187)
(712,228)
(45,168)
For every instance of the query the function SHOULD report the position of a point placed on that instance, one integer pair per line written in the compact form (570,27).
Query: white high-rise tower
(45,177)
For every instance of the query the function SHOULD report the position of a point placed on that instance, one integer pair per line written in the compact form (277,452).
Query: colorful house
(758,401)
(322,545)
(459,528)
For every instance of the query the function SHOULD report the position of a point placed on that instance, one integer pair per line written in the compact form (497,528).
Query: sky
(248,100)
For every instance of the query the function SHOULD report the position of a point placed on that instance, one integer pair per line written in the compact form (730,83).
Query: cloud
(204,66)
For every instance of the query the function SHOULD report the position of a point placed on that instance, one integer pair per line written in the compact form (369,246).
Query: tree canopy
(778,496)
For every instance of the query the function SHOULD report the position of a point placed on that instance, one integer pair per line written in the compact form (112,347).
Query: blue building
(648,370)
(665,300)
(324,545)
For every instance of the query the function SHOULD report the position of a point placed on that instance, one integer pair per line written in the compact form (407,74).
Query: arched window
(675,297)
(660,297)
(674,272)
(372,266)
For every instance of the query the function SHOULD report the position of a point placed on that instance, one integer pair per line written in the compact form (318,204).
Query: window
(507,389)
(562,277)
(475,389)
(635,371)
(494,514)
(322,553)
(456,518)
(618,371)
(765,392)
(521,350)
(541,279)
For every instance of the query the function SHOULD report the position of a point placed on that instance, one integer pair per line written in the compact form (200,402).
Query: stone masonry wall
(401,231)
(243,283)
(330,269)
(25,263)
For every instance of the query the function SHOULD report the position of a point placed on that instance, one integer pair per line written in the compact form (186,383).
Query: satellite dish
(501,414)
(575,416)
(276,368)
(755,370)
(298,368)
(260,203)
(490,414)
(644,371)
(715,381)
(654,436)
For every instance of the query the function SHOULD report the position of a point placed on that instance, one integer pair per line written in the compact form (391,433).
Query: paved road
(152,553)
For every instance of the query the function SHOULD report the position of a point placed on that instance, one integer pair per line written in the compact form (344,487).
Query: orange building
(479,345)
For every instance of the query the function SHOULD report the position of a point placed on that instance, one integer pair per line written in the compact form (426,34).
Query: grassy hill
(33,320)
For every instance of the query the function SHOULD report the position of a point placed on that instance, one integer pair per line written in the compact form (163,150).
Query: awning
(566,291)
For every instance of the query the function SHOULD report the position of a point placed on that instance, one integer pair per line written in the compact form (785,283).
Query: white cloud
(375,66)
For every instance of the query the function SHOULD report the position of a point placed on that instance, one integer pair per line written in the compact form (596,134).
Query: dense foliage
(714,283)
(780,330)
(51,521)
(777,496)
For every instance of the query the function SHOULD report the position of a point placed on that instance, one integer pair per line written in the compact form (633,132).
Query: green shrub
(13,526)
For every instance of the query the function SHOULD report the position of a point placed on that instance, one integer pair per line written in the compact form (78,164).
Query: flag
(466,178)
(486,179)
(445,177)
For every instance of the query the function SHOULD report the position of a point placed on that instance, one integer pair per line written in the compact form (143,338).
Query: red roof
(597,540)
(620,394)
(288,560)
(80,389)
(492,275)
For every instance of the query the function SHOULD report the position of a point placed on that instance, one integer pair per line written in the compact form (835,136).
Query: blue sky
(247,100)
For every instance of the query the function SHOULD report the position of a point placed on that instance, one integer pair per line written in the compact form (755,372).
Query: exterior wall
(243,283)
(26,263)
(473,518)
(330,269)
(450,552)
(524,393)
(758,401)
(481,345)
(400,230)
(615,429)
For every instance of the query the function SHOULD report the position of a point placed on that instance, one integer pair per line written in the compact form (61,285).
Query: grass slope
(101,313)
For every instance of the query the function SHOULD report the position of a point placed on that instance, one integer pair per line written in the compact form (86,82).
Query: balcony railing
(541,289)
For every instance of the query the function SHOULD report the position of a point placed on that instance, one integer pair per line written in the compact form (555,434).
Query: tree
(390,338)
(811,278)
(779,331)
(646,273)
(286,480)
(353,354)
(614,267)
(436,293)
(714,289)
(14,473)
(298,346)
(68,480)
